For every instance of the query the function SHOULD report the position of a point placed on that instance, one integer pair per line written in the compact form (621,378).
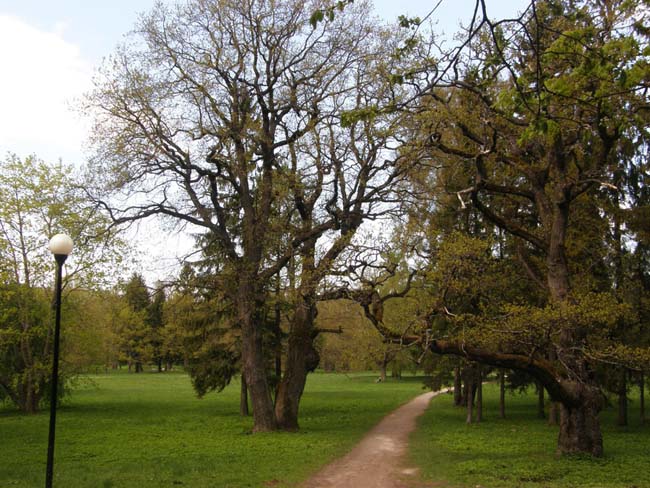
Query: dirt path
(378,460)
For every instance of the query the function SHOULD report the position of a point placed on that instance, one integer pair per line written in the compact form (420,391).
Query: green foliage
(38,200)
(133,333)
(156,319)
(141,327)
(535,134)
(214,371)
(329,13)
(89,337)
(134,330)
(409,22)
(351,117)
(136,293)
(359,347)
(24,327)
(200,329)
(525,328)
(178,309)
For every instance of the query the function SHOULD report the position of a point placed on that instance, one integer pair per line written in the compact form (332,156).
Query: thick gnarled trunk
(301,359)
(383,367)
(382,371)
(579,425)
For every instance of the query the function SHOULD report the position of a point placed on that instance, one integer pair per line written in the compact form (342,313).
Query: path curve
(378,460)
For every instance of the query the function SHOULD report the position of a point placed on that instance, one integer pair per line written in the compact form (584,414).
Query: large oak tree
(224,115)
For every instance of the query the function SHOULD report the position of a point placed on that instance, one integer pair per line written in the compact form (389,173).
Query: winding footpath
(378,461)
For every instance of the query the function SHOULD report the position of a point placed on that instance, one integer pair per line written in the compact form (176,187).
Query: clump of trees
(38,200)
(139,326)
(282,134)
(535,132)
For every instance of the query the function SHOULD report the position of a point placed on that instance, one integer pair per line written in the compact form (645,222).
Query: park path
(378,461)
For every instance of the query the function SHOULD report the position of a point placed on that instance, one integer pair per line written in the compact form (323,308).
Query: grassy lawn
(520,451)
(149,430)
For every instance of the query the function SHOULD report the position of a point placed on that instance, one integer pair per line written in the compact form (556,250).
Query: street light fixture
(61,246)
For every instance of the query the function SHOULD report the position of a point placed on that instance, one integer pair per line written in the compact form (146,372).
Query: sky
(49,50)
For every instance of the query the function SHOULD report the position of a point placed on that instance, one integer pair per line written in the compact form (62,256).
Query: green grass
(149,430)
(520,451)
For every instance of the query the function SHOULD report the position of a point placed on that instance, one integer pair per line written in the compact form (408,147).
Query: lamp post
(61,247)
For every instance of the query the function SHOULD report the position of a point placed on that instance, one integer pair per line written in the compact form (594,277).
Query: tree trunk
(622,399)
(554,413)
(253,362)
(479,396)
(278,343)
(30,405)
(619,276)
(470,403)
(28,398)
(458,387)
(396,371)
(502,394)
(383,366)
(469,391)
(540,401)
(642,397)
(301,359)
(579,425)
(554,407)
(243,397)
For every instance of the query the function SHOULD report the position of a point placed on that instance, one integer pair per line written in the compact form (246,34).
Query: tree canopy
(38,200)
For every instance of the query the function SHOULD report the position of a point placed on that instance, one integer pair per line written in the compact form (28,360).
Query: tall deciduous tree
(200,119)
(37,201)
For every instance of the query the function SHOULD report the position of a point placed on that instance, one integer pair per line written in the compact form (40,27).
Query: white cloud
(41,75)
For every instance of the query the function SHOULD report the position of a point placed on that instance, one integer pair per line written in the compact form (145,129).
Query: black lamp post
(61,247)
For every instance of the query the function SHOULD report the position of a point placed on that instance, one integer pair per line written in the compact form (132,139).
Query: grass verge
(150,430)
(520,450)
